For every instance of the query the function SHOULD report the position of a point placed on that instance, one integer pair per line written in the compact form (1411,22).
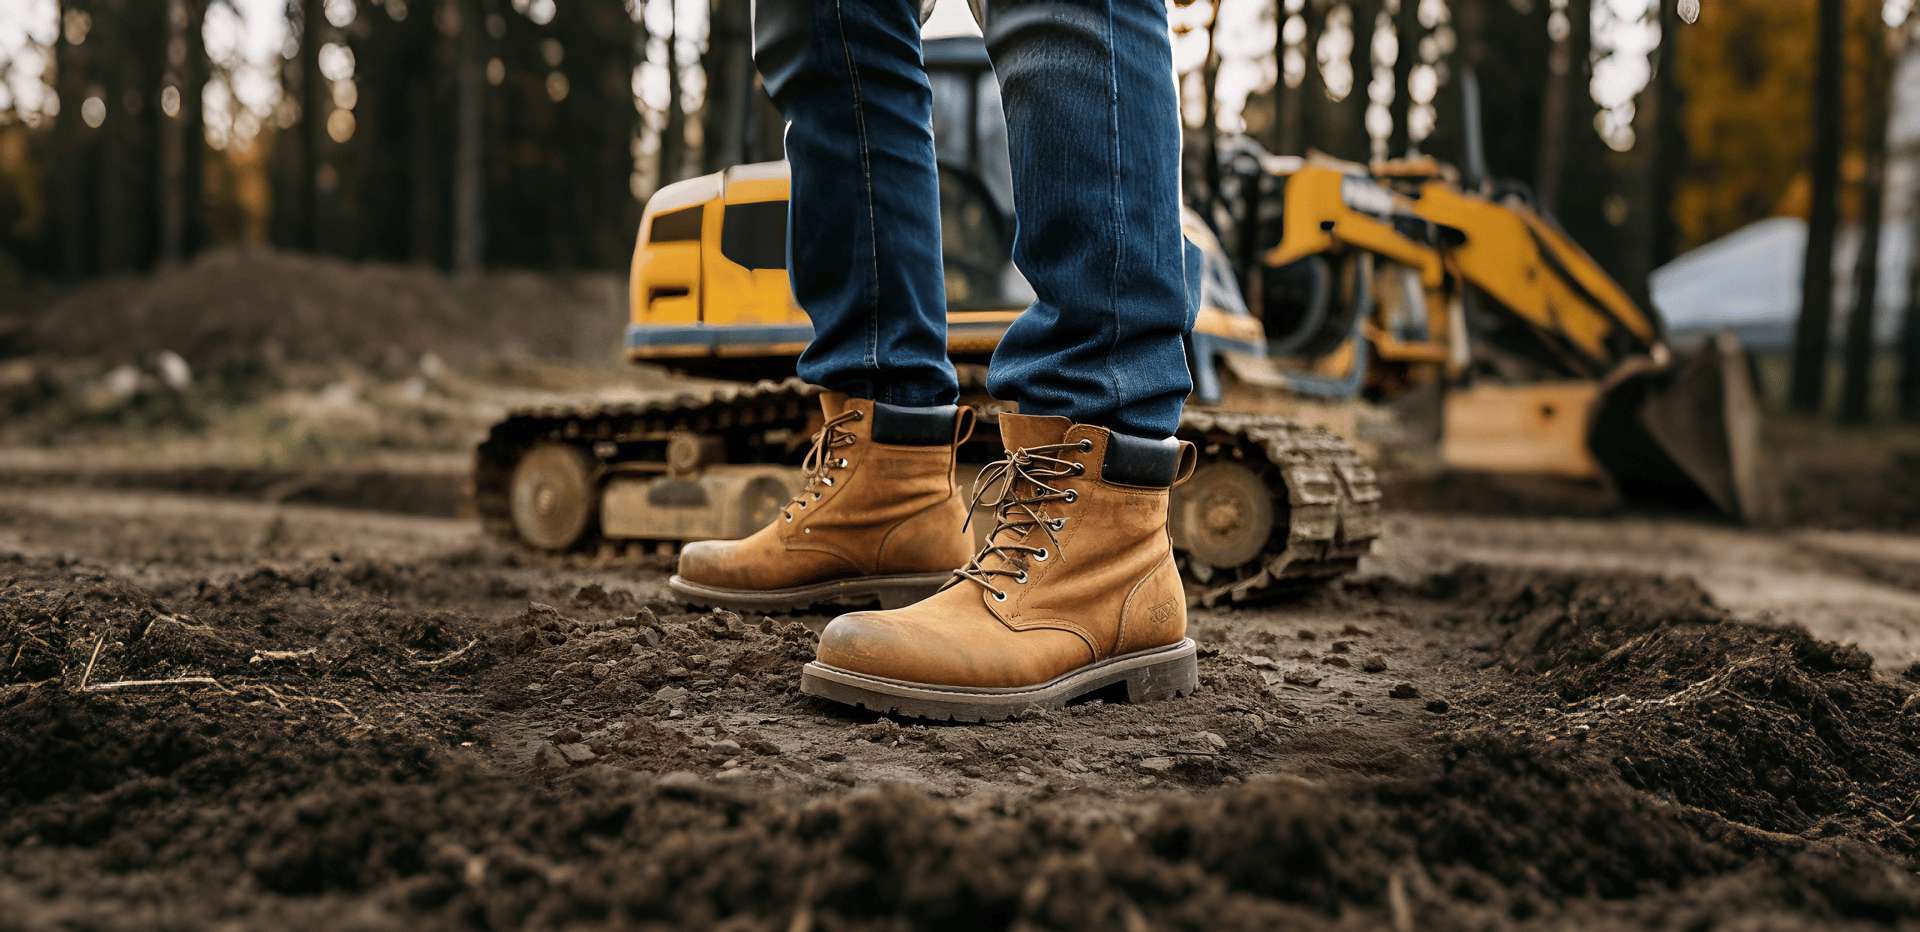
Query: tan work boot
(1075,590)
(880,517)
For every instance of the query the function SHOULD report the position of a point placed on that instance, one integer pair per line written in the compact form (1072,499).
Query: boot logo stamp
(1162,613)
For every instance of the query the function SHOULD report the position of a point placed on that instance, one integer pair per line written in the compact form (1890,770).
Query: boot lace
(1017,489)
(820,461)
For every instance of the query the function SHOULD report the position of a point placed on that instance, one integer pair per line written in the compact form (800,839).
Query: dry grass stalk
(88,674)
(176,681)
(450,657)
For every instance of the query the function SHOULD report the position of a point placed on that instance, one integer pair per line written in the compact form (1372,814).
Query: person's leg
(864,217)
(1076,589)
(1093,128)
(880,515)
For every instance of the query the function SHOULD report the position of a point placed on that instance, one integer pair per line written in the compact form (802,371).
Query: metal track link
(1331,494)
(589,423)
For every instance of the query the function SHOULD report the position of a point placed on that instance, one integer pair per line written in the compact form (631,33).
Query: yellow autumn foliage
(1747,69)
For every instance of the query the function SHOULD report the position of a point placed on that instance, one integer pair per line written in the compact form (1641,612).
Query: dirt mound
(1769,727)
(240,305)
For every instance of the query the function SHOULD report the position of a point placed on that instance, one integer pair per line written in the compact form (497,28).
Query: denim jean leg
(1093,126)
(863,232)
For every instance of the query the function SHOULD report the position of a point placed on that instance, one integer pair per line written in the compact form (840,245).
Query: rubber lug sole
(890,591)
(1149,676)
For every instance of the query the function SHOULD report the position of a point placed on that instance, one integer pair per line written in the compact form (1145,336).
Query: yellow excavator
(1365,285)
(1400,278)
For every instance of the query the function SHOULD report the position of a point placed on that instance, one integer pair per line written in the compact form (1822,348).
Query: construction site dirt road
(220,712)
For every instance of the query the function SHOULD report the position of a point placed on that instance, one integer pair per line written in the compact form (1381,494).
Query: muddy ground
(383,721)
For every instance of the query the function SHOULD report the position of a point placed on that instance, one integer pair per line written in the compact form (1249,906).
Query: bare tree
(673,139)
(1406,27)
(182,178)
(1816,281)
(469,218)
(1857,370)
(1561,81)
(728,64)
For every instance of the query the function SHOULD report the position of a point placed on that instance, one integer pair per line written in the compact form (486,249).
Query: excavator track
(1325,505)
(624,434)
(1275,505)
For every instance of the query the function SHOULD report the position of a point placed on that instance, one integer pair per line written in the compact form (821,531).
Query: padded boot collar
(914,427)
(1141,462)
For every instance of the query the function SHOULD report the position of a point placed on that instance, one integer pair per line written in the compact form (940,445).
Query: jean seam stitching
(1119,211)
(872,359)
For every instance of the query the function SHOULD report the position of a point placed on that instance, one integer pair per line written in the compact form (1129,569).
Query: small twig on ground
(16,656)
(260,655)
(88,674)
(176,681)
(343,706)
(450,657)
(173,619)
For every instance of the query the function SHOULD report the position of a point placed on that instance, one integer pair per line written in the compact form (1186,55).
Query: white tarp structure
(1749,282)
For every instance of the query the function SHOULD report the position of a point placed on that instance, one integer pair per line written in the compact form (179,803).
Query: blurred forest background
(527,134)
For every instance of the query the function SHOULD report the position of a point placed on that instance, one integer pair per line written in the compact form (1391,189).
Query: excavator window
(755,235)
(677,225)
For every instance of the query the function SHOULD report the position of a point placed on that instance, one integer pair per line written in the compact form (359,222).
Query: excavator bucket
(1687,434)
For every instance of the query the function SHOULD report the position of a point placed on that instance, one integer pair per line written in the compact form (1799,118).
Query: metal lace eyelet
(816,496)
(787,516)
(1058,523)
(1041,557)
(859,415)
(999,596)
(1086,446)
(1072,496)
(828,480)
(1022,578)
(1079,469)
(841,463)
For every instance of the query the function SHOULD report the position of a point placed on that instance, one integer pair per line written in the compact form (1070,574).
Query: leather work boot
(1075,590)
(880,517)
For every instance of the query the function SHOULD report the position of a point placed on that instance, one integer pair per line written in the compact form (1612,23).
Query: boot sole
(1149,675)
(891,591)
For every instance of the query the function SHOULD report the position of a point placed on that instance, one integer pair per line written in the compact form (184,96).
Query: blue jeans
(1094,139)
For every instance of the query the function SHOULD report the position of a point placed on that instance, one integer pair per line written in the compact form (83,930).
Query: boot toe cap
(900,645)
(710,563)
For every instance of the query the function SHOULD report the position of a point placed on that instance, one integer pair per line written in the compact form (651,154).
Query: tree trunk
(1816,281)
(1406,29)
(1561,77)
(183,134)
(1210,117)
(673,139)
(305,228)
(469,219)
(1290,120)
(73,143)
(729,67)
(1857,371)
(1366,15)
(1910,323)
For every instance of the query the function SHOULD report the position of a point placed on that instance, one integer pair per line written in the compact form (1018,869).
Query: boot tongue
(1018,431)
(834,404)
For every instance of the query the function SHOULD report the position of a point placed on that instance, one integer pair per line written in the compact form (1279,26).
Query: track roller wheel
(553,496)
(1225,513)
